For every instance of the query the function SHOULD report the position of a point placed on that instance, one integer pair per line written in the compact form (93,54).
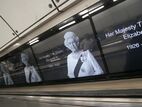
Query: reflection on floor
(43,101)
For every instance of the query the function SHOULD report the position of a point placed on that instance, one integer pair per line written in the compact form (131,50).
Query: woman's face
(24,58)
(72,44)
(10,65)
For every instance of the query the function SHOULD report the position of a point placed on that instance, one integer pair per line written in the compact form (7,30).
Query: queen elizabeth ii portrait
(80,63)
(31,73)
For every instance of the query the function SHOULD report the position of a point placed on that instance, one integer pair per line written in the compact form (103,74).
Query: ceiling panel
(62,4)
(6,34)
(21,14)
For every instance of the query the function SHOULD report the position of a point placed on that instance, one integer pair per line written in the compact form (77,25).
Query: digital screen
(122,46)
(19,68)
(71,53)
(11,70)
(120,36)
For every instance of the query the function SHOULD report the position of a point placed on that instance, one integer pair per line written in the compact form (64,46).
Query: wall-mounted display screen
(11,70)
(19,68)
(72,53)
(120,33)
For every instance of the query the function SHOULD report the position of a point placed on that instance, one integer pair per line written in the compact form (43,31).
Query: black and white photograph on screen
(55,57)
(5,74)
(80,63)
(31,74)
(14,66)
